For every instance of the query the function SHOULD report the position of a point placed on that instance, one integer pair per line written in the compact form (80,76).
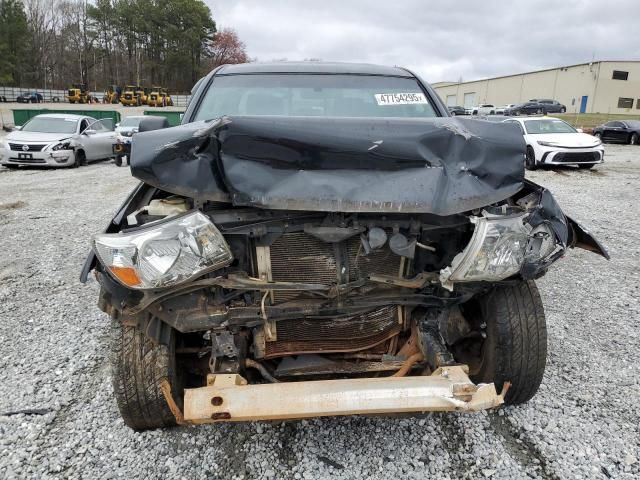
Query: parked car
(457,110)
(539,107)
(551,141)
(29,97)
(527,108)
(58,140)
(549,106)
(313,240)
(484,109)
(127,128)
(503,108)
(619,131)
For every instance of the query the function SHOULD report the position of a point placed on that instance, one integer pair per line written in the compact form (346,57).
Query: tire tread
(138,368)
(521,339)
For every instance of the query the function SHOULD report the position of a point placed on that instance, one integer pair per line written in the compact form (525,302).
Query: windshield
(535,127)
(130,122)
(50,125)
(317,95)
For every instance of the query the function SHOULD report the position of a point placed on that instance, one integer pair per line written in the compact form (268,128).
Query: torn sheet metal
(428,165)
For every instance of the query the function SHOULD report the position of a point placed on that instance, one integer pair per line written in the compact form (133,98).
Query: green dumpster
(22,115)
(175,118)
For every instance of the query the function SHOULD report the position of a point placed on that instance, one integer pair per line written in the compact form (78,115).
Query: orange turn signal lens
(126,275)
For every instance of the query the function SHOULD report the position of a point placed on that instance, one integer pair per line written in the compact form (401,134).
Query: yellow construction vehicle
(159,97)
(143,95)
(111,94)
(78,94)
(134,95)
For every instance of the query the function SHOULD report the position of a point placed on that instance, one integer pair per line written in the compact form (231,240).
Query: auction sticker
(400,98)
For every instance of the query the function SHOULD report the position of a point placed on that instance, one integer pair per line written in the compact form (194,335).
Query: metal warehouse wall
(568,85)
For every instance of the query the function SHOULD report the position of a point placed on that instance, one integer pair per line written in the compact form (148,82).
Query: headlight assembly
(498,249)
(547,144)
(62,146)
(164,254)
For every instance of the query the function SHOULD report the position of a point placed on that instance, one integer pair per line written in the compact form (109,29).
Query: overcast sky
(441,40)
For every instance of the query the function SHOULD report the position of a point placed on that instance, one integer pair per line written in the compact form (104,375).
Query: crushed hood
(433,165)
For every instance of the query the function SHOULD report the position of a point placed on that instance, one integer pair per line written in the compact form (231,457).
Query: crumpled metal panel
(431,165)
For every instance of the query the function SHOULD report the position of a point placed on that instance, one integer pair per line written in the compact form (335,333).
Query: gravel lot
(582,424)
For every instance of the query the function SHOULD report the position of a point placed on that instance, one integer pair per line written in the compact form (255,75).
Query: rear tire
(138,367)
(633,140)
(515,348)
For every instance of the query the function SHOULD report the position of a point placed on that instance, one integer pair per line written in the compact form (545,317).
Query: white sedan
(58,140)
(551,141)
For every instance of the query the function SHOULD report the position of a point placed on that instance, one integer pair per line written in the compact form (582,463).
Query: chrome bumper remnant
(230,398)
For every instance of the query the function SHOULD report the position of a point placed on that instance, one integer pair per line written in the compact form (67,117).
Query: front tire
(530,160)
(138,367)
(515,348)
(81,159)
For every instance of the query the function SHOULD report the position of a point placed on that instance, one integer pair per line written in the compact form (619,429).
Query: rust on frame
(230,398)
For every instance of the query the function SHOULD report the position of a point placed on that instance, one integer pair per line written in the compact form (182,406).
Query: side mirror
(17,127)
(88,131)
(579,130)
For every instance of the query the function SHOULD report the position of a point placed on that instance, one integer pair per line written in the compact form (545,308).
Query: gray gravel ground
(53,347)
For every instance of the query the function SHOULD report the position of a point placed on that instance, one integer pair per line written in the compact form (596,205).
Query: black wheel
(598,135)
(586,166)
(512,341)
(81,159)
(563,110)
(118,161)
(539,111)
(530,159)
(633,140)
(138,367)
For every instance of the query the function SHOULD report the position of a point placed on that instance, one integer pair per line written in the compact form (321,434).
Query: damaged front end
(358,269)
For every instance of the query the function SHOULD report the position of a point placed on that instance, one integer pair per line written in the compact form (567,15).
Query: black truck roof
(313,67)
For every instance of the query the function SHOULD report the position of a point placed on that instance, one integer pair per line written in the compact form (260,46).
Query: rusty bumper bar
(229,397)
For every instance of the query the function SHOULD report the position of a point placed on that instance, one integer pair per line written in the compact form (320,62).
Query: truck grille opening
(298,257)
(346,333)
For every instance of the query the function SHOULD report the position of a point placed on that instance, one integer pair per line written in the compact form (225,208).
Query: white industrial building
(594,87)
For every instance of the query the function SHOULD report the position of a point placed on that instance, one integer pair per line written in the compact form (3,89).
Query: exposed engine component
(344,333)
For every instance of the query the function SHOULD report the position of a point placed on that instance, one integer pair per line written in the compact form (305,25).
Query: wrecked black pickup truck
(324,239)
